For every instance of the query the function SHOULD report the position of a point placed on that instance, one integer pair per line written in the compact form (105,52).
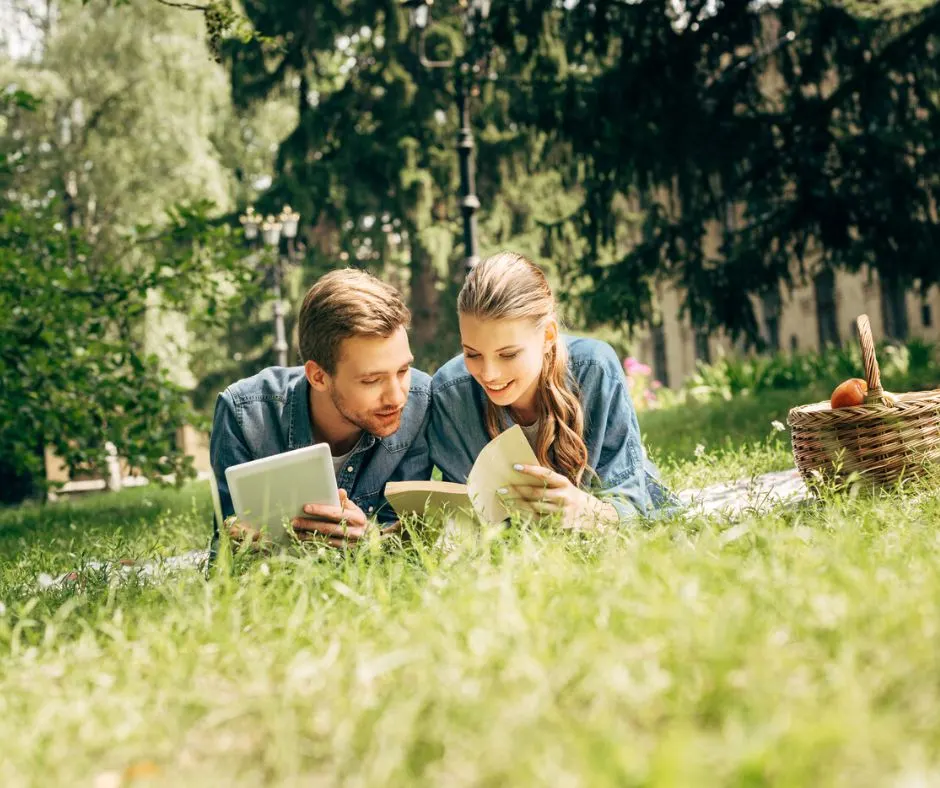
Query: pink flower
(634,367)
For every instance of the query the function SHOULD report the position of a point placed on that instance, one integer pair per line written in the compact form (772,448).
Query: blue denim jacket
(457,430)
(269,413)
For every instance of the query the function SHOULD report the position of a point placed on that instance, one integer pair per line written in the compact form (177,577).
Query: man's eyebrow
(408,363)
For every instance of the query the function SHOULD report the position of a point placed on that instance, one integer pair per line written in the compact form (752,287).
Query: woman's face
(505,357)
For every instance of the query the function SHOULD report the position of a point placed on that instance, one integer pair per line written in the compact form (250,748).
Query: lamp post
(250,221)
(272,229)
(474,13)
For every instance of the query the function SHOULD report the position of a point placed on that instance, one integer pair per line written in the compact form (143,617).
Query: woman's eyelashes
(504,356)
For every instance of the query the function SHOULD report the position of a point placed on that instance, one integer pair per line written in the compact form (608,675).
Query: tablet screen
(268,493)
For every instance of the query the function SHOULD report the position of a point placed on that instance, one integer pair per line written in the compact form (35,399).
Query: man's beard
(365,420)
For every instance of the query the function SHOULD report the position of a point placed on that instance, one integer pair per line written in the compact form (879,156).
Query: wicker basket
(888,437)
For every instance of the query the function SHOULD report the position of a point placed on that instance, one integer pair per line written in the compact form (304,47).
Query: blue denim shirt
(269,413)
(457,430)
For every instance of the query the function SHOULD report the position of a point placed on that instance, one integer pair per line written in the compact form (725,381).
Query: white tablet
(270,492)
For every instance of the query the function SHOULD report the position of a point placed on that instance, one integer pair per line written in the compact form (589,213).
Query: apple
(849,394)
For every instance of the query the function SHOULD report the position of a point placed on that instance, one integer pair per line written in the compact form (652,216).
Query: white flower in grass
(110,779)
(777,425)
(700,450)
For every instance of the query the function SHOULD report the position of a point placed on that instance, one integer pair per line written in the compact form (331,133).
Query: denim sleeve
(612,426)
(227,447)
(416,466)
(449,450)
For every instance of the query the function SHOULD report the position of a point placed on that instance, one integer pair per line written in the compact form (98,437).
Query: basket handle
(876,393)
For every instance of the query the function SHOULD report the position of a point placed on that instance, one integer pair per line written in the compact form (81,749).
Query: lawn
(799,647)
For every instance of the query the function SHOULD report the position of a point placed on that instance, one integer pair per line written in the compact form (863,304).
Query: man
(356,391)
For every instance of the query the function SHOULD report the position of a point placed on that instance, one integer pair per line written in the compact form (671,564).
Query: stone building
(814,315)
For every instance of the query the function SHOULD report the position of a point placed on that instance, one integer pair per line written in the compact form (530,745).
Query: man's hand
(240,533)
(339,526)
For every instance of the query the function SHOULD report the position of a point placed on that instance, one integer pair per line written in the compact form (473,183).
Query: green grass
(699,444)
(795,648)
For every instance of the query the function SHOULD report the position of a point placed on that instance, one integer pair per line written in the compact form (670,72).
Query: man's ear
(317,376)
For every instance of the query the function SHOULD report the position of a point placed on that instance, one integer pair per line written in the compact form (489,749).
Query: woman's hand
(554,494)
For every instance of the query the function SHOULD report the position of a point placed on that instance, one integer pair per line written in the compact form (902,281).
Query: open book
(491,471)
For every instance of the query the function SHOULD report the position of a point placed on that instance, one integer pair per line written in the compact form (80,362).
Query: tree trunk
(15,486)
(424,303)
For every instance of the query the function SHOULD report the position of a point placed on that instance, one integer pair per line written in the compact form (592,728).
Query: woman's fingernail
(517,467)
(308,509)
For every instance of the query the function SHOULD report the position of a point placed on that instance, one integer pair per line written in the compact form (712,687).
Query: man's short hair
(347,303)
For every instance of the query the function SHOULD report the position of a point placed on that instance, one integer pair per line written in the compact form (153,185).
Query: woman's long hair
(507,286)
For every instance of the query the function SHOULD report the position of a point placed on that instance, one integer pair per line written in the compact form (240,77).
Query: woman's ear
(551,334)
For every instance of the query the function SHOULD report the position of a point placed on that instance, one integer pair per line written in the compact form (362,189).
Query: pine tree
(795,128)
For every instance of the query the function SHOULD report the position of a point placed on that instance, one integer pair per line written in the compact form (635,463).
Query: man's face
(371,381)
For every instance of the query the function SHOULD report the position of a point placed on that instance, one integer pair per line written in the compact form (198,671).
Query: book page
(493,470)
(426,497)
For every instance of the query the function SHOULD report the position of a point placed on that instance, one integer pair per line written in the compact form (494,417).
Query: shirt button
(349,469)
(370,509)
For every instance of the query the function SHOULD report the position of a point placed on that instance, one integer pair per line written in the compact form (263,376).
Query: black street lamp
(474,13)
(272,229)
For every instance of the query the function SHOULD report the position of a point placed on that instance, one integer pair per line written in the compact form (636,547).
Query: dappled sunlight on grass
(706,443)
(798,646)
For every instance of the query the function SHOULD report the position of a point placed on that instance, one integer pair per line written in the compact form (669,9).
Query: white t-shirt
(340,462)
(531,433)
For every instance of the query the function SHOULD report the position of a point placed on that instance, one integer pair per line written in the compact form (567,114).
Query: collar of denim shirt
(300,426)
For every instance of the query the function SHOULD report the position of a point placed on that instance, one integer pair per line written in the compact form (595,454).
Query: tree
(804,131)
(724,147)
(73,370)
(366,157)
(373,154)
(129,117)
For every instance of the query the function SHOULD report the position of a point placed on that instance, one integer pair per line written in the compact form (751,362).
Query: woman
(568,394)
